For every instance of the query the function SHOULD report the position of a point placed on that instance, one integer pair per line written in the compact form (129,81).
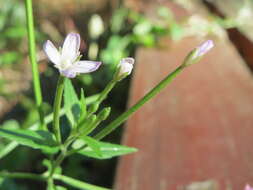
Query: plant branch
(76,183)
(123,117)
(21,175)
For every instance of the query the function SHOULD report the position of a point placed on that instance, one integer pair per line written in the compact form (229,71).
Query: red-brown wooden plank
(200,128)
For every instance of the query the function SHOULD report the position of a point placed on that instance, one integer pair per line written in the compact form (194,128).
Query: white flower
(203,49)
(126,66)
(67,59)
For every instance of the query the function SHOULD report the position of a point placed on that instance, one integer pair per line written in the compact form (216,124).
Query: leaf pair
(44,140)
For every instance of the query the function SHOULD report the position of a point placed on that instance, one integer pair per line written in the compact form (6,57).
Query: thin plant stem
(55,164)
(123,117)
(67,180)
(33,60)
(103,95)
(106,91)
(20,175)
(57,108)
(76,183)
(50,184)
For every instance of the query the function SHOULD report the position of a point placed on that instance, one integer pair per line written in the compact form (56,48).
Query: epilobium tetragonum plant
(82,113)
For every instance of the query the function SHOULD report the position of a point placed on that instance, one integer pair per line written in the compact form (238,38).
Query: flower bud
(203,49)
(125,68)
(195,55)
(104,114)
(93,107)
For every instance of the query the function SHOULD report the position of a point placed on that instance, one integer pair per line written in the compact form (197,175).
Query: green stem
(106,91)
(57,108)
(67,180)
(76,183)
(33,59)
(57,162)
(123,117)
(21,175)
(50,184)
(103,95)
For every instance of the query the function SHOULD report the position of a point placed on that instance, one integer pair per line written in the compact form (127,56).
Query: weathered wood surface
(197,130)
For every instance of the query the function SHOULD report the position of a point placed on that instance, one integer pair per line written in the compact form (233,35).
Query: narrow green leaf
(71,102)
(107,150)
(93,144)
(35,139)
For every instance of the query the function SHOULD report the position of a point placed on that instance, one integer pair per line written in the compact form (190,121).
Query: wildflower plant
(83,114)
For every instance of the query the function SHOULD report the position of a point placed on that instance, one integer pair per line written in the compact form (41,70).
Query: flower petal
(86,66)
(204,48)
(71,45)
(69,73)
(51,52)
(129,60)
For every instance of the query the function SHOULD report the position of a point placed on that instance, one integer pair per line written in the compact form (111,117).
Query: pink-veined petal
(71,45)
(51,52)
(69,73)
(86,66)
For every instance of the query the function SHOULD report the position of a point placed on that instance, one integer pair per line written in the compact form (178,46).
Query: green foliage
(60,188)
(71,102)
(10,184)
(12,29)
(115,50)
(82,106)
(35,139)
(93,144)
(102,150)
(118,19)
(129,30)
(10,124)
(10,57)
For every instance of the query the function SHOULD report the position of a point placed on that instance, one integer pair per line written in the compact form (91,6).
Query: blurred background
(110,30)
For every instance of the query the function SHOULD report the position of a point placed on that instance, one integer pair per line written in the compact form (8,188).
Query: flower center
(65,64)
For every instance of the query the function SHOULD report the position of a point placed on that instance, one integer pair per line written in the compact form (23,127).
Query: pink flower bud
(126,66)
(203,49)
